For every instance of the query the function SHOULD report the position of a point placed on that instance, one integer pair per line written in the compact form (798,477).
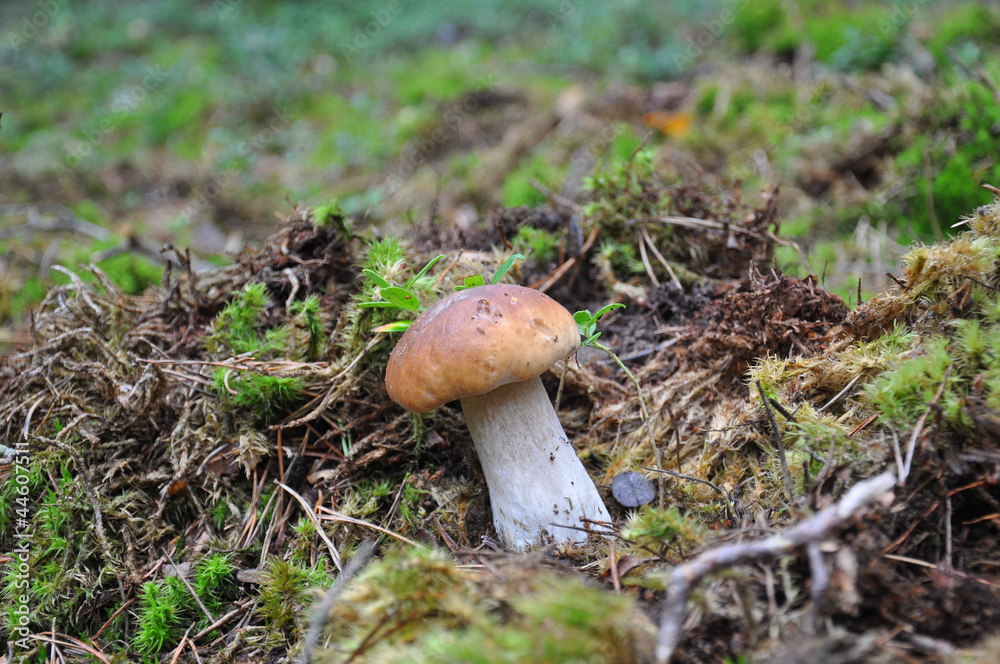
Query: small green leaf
(400,297)
(377,305)
(395,326)
(472,282)
(591,340)
(583,317)
(507,264)
(422,272)
(377,278)
(606,309)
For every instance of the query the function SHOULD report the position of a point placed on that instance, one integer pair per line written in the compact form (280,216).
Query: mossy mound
(177,436)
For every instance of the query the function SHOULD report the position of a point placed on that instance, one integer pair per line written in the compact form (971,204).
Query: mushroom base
(536,481)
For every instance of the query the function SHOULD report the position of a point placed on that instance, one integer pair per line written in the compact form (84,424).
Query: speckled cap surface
(476,340)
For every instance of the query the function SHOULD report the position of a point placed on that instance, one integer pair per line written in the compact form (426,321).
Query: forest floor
(197,436)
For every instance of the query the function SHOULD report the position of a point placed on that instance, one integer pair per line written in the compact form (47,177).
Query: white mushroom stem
(533,474)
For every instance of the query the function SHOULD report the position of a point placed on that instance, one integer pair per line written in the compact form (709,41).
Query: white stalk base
(533,474)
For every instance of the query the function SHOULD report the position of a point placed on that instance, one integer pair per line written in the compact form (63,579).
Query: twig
(663,261)
(333,515)
(322,610)
(180,646)
(221,621)
(920,425)
(820,582)
(814,529)
(645,263)
(110,620)
(554,198)
(319,527)
(778,443)
(616,579)
(839,395)
(190,588)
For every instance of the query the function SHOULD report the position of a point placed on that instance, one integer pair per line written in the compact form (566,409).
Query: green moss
(960,149)
(650,527)
(847,37)
(162,606)
(262,394)
(236,330)
(970,23)
(536,244)
(425,609)
(214,581)
(517,187)
(284,595)
(309,318)
(624,190)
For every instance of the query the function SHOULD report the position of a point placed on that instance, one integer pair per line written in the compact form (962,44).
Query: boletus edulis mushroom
(488,346)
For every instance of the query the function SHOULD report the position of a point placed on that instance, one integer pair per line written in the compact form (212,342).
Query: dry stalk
(814,529)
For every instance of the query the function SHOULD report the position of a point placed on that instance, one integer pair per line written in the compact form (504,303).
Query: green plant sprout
(587,323)
(395,297)
(479,280)
(401,298)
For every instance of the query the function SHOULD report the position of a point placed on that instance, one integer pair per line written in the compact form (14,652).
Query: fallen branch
(812,530)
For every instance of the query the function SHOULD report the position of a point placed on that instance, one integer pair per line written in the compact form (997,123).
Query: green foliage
(214,581)
(263,394)
(653,528)
(162,605)
(518,189)
(973,23)
(624,190)
(308,315)
(409,504)
(846,37)
(332,213)
(236,330)
(165,606)
(537,243)
(285,593)
(430,611)
(960,148)
(970,358)
(384,295)
(479,280)
(587,322)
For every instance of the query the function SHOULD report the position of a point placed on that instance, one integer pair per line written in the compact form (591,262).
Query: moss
(960,148)
(416,605)
(971,23)
(536,244)
(237,328)
(161,608)
(285,593)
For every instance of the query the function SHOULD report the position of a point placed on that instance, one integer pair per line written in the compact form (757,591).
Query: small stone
(632,489)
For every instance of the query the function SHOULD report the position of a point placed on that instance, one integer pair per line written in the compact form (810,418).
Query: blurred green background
(128,125)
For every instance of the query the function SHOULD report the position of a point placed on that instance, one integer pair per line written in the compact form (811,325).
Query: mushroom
(487,346)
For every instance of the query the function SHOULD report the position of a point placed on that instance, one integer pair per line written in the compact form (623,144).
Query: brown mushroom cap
(476,340)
